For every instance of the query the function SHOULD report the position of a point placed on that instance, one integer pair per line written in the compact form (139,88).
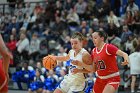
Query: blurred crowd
(32,32)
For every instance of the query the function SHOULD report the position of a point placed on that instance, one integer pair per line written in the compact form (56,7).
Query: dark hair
(78,35)
(25,62)
(102,34)
(39,70)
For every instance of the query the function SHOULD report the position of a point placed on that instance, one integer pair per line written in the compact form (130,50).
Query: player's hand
(124,63)
(44,57)
(52,56)
(49,56)
(75,70)
(76,62)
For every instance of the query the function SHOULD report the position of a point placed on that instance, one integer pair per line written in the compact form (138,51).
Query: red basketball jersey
(105,59)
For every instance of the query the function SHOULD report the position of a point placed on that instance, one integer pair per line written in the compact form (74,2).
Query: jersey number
(101,65)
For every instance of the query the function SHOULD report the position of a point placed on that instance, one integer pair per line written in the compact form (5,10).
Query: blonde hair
(78,35)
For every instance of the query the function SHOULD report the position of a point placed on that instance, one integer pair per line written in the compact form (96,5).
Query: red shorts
(3,80)
(101,83)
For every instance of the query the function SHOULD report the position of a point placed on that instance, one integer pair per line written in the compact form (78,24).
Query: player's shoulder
(84,51)
(86,54)
(109,45)
(71,51)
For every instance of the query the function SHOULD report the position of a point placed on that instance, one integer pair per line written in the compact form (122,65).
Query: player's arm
(87,63)
(86,60)
(59,58)
(90,68)
(113,50)
(5,54)
(62,58)
(124,55)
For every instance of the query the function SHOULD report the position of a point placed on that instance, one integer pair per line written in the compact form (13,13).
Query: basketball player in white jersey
(74,82)
(134,68)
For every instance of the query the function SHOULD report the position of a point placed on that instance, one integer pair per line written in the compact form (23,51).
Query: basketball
(49,62)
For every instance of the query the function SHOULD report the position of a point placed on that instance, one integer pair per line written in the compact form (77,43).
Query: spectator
(129,19)
(12,43)
(116,41)
(19,8)
(80,8)
(73,18)
(132,6)
(38,83)
(23,46)
(14,33)
(13,24)
(28,9)
(129,44)
(126,32)
(112,18)
(26,21)
(58,8)
(12,4)
(25,75)
(68,5)
(116,7)
(95,25)
(58,27)
(50,82)
(102,9)
(20,17)
(39,66)
(34,47)
(111,30)
(85,26)
(67,44)
(136,22)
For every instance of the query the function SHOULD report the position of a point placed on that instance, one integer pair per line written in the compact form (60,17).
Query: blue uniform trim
(60,83)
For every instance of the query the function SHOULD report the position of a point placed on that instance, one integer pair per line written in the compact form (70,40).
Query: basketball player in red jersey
(104,63)
(4,65)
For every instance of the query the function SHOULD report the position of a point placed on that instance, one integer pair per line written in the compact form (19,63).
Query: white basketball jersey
(134,63)
(79,58)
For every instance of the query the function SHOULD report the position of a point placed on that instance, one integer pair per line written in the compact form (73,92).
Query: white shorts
(72,85)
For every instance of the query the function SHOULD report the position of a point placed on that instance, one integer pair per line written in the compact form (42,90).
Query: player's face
(96,39)
(76,44)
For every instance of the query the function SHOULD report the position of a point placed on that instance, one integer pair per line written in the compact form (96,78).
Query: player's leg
(5,54)
(30,91)
(64,85)
(5,64)
(109,89)
(40,90)
(78,88)
(112,85)
(57,91)
(98,86)
(75,92)
(3,81)
(133,83)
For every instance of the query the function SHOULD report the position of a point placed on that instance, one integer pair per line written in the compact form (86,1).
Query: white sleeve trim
(107,51)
